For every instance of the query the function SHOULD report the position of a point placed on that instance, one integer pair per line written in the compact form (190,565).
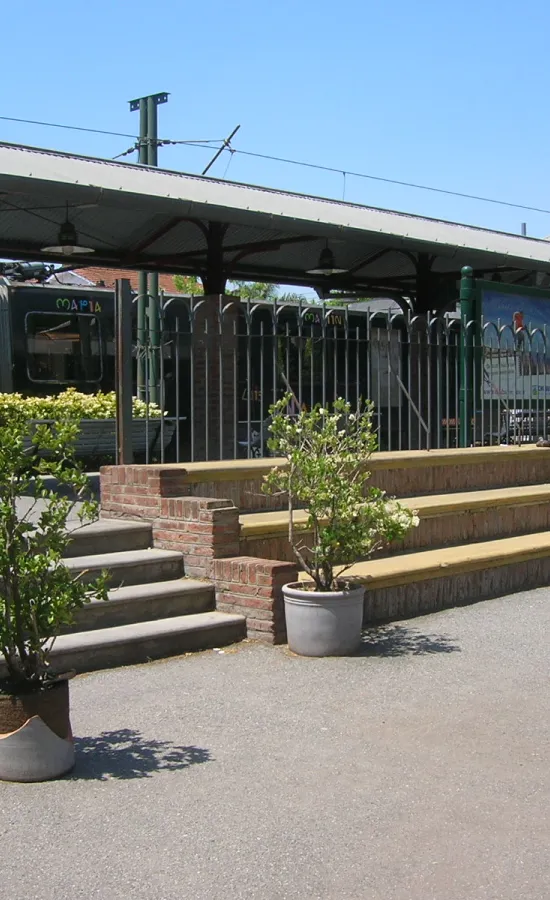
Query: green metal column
(148,310)
(142,280)
(466,365)
(154,303)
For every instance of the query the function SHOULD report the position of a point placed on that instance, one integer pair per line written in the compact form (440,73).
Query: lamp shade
(67,242)
(326,264)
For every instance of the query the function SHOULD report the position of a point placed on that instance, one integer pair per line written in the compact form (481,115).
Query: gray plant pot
(323,623)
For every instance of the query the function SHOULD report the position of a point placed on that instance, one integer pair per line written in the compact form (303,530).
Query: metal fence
(222,363)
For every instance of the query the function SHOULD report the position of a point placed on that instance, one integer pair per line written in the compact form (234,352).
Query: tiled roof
(107,277)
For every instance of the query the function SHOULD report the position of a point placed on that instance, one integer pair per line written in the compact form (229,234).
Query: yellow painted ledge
(265,524)
(449,561)
(269,524)
(246,469)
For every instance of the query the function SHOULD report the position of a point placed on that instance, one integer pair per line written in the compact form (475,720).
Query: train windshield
(63,348)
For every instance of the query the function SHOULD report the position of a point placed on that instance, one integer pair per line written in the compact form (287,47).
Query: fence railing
(222,363)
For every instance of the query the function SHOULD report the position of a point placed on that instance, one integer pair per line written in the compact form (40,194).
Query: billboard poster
(516,363)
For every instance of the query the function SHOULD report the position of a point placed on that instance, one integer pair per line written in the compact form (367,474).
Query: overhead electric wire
(68,127)
(410,184)
(102,131)
(346,172)
(126,152)
(288,161)
(226,145)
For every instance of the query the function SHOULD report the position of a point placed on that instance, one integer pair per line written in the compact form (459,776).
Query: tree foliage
(188,284)
(258,291)
(38,593)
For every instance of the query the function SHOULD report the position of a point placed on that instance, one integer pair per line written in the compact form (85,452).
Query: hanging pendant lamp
(67,241)
(326,264)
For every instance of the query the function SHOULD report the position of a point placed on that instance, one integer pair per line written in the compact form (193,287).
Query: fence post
(467,331)
(123,370)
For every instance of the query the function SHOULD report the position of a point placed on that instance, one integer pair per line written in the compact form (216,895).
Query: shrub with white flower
(327,453)
(72,403)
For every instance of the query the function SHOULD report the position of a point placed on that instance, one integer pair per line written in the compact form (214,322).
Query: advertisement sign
(516,361)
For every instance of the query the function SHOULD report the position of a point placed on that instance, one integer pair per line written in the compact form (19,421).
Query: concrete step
(146,602)
(129,566)
(140,642)
(109,536)
(417,583)
(445,519)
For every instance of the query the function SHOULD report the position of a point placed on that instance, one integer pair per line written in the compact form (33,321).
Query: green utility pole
(148,295)
(468,334)
(143,151)
(154,303)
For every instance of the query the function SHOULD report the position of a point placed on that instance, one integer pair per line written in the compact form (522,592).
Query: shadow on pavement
(65,490)
(397,640)
(126,754)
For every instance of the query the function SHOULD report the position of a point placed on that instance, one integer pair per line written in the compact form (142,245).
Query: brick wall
(272,546)
(136,491)
(460,527)
(254,588)
(131,492)
(201,528)
(125,490)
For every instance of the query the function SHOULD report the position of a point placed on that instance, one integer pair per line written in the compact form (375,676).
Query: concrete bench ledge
(265,524)
(127,489)
(449,561)
(244,469)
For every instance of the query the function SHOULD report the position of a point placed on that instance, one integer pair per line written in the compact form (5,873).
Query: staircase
(484,532)
(153,610)
(471,544)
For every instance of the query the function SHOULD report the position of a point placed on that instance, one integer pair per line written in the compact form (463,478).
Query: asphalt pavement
(418,770)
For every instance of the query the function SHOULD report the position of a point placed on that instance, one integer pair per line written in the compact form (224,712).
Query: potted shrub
(326,472)
(38,594)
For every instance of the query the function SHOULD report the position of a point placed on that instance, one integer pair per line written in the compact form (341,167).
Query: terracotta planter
(36,741)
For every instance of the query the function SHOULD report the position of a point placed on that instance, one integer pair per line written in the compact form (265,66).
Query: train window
(63,348)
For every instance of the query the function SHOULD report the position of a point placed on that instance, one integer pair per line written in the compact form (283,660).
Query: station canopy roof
(137,217)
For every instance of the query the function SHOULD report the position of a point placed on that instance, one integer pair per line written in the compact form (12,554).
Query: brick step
(109,536)
(445,519)
(146,602)
(140,642)
(139,491)
(129,567)
(418,583)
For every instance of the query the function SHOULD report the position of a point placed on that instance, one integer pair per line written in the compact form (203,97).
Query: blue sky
(448,94)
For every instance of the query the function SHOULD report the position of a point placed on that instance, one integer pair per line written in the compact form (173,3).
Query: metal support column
(143,152)
(148,309)
(123,371)
(468,330)
(154,303)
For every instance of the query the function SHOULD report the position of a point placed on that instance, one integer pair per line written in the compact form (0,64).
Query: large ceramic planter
(36,741)
(323,623)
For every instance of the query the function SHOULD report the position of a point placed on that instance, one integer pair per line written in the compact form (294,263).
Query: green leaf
(327,451)
(38,594)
